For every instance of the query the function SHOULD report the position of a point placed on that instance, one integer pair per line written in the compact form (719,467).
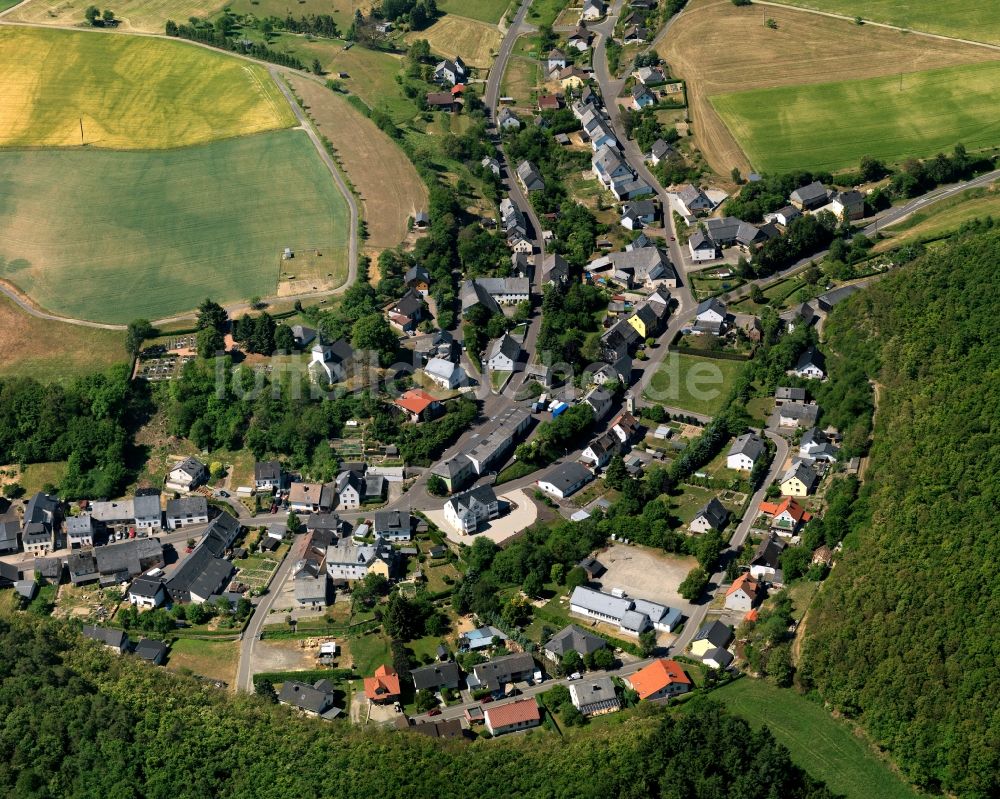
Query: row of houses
(484,451)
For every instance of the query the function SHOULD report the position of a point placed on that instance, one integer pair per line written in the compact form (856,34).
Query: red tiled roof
(752,615)
(521,711)
(384,685)
(416,400)
(657,676)
(458,88)
(795,510)
(747,583)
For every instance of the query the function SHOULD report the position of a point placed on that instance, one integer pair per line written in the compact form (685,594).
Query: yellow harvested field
(148,16)
(390,188)
(476,42)
(806,48)
(130,92)
(205,657)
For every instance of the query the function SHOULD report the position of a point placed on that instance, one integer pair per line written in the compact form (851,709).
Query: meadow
(387,182)
(53,352)
(341,10)
(129,92)
(699,385)
(450,36)
(804,49)
(483,10)
(819,743)
(830,126)
(148,16)
(943,218)
(976,20)
(150,234)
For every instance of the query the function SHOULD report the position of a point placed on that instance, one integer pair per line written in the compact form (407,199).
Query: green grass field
(831,125)
(819,743)
(483,10)
(151,234)
(977,21)
(130,92)
(692,384)
(942,218)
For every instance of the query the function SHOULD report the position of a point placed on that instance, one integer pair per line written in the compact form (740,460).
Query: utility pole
(81,131)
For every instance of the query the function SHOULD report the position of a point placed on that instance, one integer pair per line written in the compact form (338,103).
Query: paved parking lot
(522,514)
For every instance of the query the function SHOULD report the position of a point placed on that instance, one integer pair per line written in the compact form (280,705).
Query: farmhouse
(115,640)
(484,452)
(745,452)
(711,516)
(785,394)
(118,563)
(187,475)
(82,568)
(450,72)
(595,697)
(659,681)
(807,198)
(519,715)
(467,510)
(555,269)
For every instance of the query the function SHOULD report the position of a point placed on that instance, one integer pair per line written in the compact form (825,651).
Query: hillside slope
(905,633)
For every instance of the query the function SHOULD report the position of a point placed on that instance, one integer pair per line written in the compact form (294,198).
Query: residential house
(555,269)
(465,511)
(555,61)
(693,201)
(638,214)
(347,562)
(594,697)
(40,524)
(491,165)
(642,97)
(202,575)
(480,639)
(521,714)
(597,130)
(745,452)
(593,9)
(350,487)
(444,373)
(807,198)
(785,394)
(450,71)
(702,248)
(186,511)
(10,528)
(649,319)
(626,427)
(787,516)
(650,76)
(797,414)
(147,593)
(186,475)
(600,450)
(729,231)
(572,639)
(766,561)
(659,681)
(152,651)
(436,676)
(600,402)
(503,354)
(455,471)
(710,317)
(660,151)
(744,594)
(713,515)
(417,278)
(712,635)
(529,177)
(811,364)
(119,563)
(267,476)
(312,497)
(717,658)
(115,640)
(609,167)
(783,216)
(580,38)
(407,312)
(508,120)
(571,77)
(495,674)
(799,480)
(313,700)
(492,292)
(816,445)
(148,515)
(632,616)
(393,525)
(79,531)
(383,686)
(418,405)
(310,584)
(799,315)
(330,362)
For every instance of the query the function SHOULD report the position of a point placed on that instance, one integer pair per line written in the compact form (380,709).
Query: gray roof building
(716,633)
(436,675)
(151,650)
(118,563)
(573,638)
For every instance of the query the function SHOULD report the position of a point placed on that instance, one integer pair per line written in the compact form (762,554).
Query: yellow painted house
(712,635)
(799,481)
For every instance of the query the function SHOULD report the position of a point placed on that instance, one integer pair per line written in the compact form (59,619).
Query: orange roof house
(753,615)
(384,686)
(457,89)
(786,514)
(744,593)
(416,402)
(519,715)
(661,679)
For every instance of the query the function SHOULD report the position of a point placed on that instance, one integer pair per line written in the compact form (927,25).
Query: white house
(711,516)
(710,316)
(147,513)
(186,511)
(556,61)
(601,450)
(564,480)
(503,354)
(80,531)
(593,9)
(766,561)
(745,452)
(329,361)
(350,490)
(187,475)
(445,373)
(267,475)
(450,72)
(147,593)
(492,165)
(467,510)
(507,119)
(811,364)
(744,593)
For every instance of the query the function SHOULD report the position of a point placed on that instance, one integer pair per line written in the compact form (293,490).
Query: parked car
(223,494)
(435,712)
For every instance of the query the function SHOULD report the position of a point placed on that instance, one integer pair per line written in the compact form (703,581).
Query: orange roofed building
(786,516)
(744,593)
(661,679)
(418,405)
(384,686)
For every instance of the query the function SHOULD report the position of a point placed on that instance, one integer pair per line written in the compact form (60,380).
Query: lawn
(213,659)
(53,352)
(964,20)
(390,188)
(942,218)
(368,652)
(148,234)
(699,385)
(450,36)
(830,126)
(687,504)
(130,92)
(544,12)
(520,80)
(341,10)
(483,10)
(804,49)
(141,15)
(825,747)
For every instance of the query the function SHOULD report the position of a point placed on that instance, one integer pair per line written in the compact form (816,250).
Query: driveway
(522,514)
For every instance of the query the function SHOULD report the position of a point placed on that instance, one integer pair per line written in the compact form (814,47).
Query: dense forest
(78,722)
(904,635)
